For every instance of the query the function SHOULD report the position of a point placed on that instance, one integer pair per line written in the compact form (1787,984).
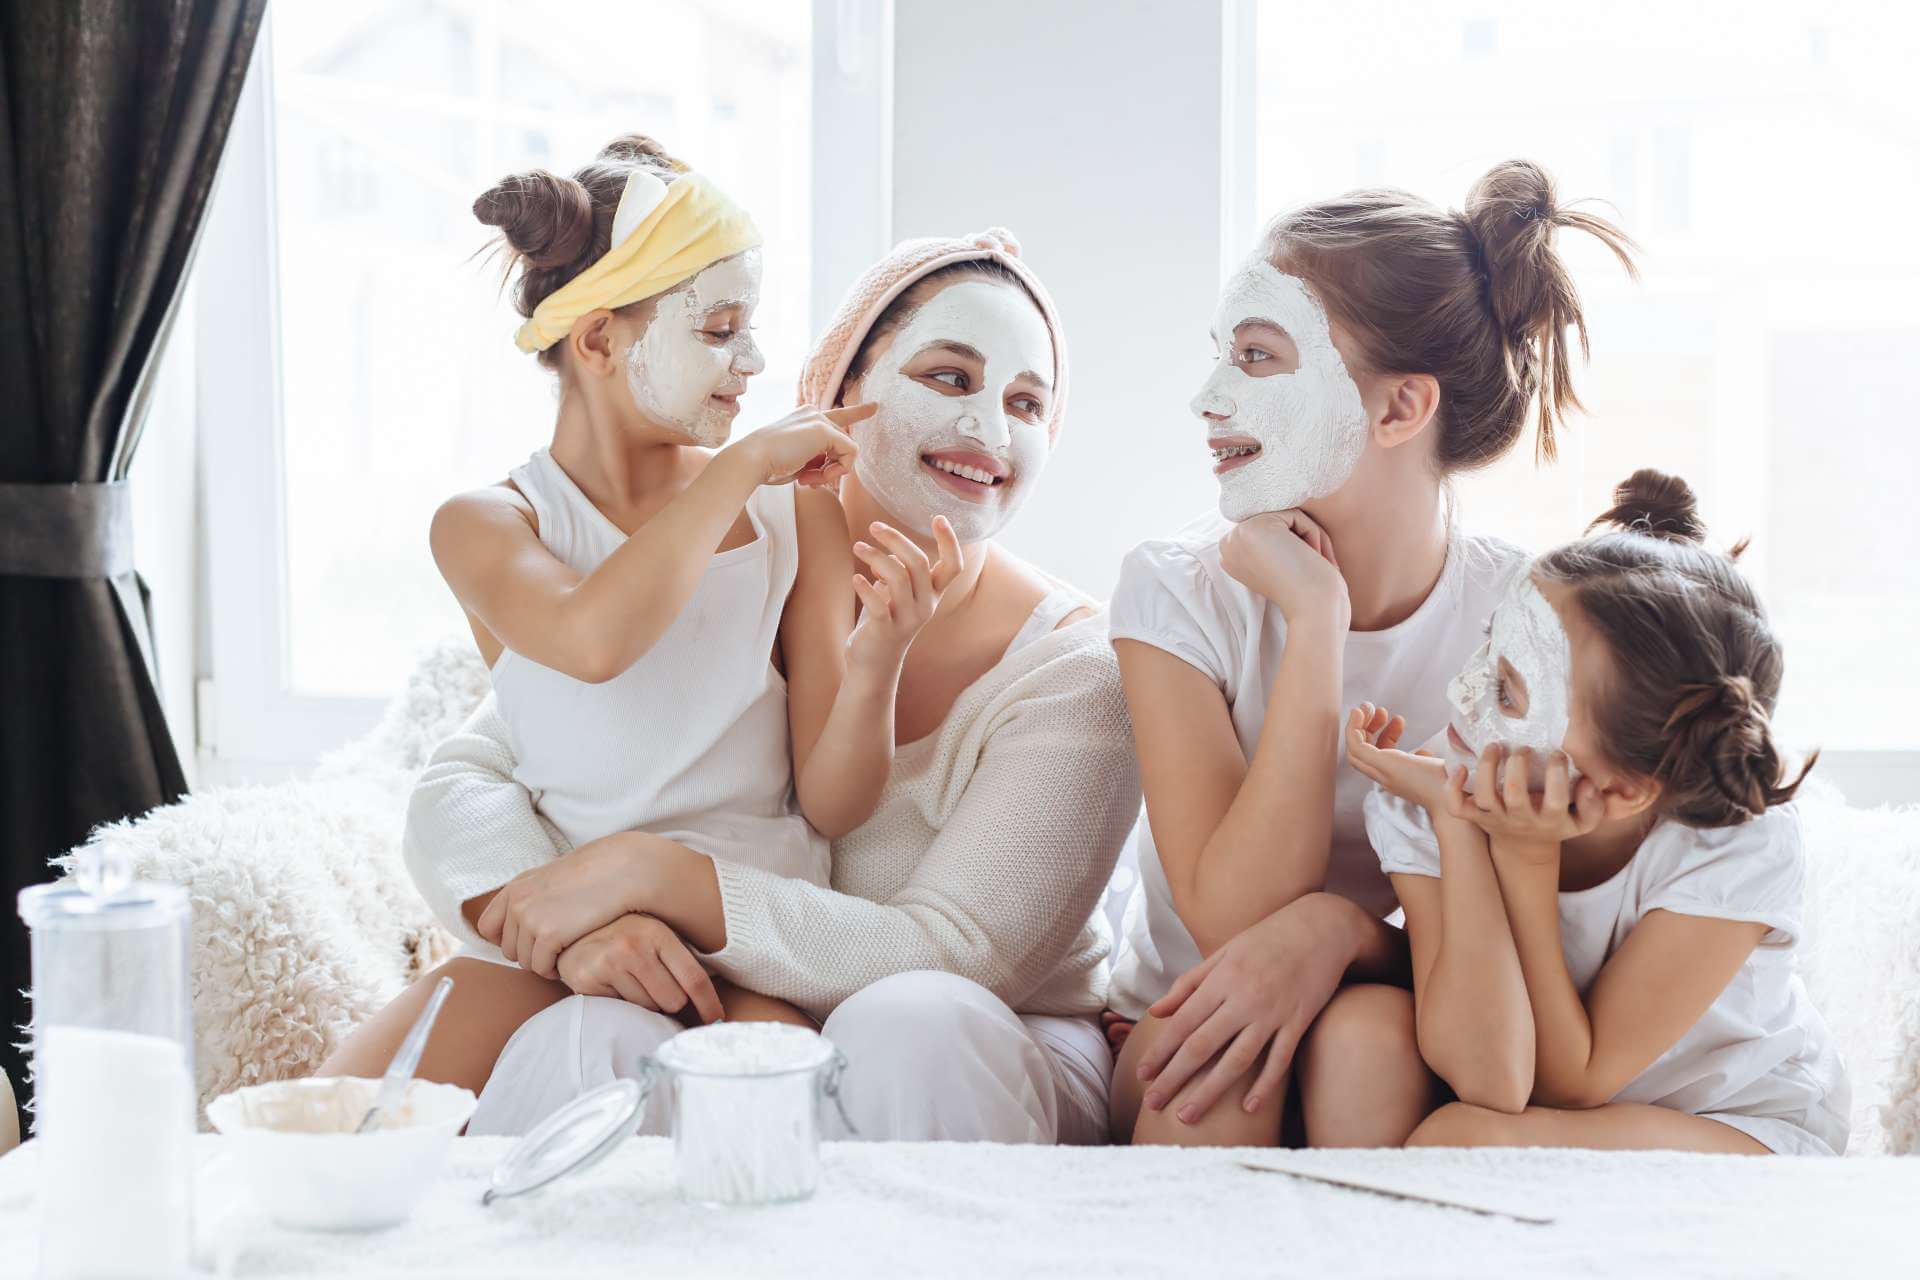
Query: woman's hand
(810,446)
(1258,993)
(903,591)
(1372,737)
(1288,559)
(1503,806)
(642,961)
(540,913)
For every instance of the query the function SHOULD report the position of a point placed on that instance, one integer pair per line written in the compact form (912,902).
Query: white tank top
(690,742)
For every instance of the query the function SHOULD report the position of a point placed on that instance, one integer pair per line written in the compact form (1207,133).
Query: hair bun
(1722,762)
(1511,215)
(1655,503)
(638,148)
(1511,212)
(547,219)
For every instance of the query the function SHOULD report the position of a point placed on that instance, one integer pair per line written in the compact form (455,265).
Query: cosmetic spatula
(393,1085)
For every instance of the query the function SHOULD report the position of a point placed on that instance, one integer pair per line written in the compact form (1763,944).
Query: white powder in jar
(116,1128)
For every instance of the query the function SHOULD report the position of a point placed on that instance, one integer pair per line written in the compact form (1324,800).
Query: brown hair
(1479,299)
(915,296)
(1696,669)
(554,228)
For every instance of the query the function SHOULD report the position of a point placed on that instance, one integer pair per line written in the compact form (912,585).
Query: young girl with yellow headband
(670,637)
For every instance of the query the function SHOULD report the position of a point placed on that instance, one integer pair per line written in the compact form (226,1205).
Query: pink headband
(893,275)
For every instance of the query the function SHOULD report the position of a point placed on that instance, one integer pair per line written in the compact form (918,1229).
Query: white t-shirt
(1760,1059)
(1174,595)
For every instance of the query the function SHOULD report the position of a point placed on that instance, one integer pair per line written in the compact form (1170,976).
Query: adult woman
(955,957)
(1374,346)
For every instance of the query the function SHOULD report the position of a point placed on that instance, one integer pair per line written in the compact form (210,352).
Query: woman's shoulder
(1066,678)
(1190,553)
(1174,594)
(1074,656)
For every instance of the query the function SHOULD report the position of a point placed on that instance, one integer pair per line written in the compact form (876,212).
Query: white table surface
(990,1211)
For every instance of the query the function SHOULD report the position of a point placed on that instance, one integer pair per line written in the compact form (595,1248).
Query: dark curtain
(113,114)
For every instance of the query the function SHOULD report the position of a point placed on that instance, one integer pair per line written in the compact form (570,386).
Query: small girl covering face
(1602,881)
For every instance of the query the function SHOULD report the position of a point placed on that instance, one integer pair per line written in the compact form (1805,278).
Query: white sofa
(305,921)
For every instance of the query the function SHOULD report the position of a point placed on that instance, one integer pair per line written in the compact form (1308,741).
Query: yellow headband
(692,226)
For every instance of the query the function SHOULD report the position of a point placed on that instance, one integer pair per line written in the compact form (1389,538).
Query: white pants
(929,1056)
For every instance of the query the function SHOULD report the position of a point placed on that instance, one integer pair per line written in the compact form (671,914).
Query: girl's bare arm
(1471,1013)
(594,626)
(1666,974)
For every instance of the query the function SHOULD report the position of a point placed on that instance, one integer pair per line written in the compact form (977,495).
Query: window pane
(400,382)
(1765,162)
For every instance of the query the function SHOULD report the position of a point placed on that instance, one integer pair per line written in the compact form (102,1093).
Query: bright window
(398,379)
(1765,163)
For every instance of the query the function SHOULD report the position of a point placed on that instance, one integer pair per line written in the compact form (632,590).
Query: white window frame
(253,723)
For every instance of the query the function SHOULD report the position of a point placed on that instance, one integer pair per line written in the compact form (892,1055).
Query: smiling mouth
(1460,743)
(973,476)
(1231,452)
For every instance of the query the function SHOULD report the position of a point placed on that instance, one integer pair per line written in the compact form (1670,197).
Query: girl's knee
(1227,1123)
(1461,1124)
(1361,1027)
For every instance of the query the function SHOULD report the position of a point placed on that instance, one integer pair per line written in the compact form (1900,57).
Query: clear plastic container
(113,1075)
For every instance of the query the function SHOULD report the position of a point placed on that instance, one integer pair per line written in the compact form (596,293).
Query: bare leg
(1362,1080)
(487,1005)
(1618,1126)
(1228,1124)
(742,1005)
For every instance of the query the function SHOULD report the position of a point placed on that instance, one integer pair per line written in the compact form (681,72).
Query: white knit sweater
(991,846)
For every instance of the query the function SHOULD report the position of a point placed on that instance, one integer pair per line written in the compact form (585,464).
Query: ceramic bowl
(304,1166)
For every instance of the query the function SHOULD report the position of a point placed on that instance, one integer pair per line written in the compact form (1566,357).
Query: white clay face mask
(938,448)
(1280,439)
(680,376)
(1525,630)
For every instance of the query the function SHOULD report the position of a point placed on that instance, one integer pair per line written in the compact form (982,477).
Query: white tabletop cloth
(977,1209)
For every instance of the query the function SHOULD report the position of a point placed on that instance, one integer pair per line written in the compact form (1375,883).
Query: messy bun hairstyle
(1478,298)
(553,228)
(1696,669)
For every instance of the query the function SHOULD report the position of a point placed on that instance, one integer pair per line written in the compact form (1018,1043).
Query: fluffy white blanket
(305,921)
(954,1209)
